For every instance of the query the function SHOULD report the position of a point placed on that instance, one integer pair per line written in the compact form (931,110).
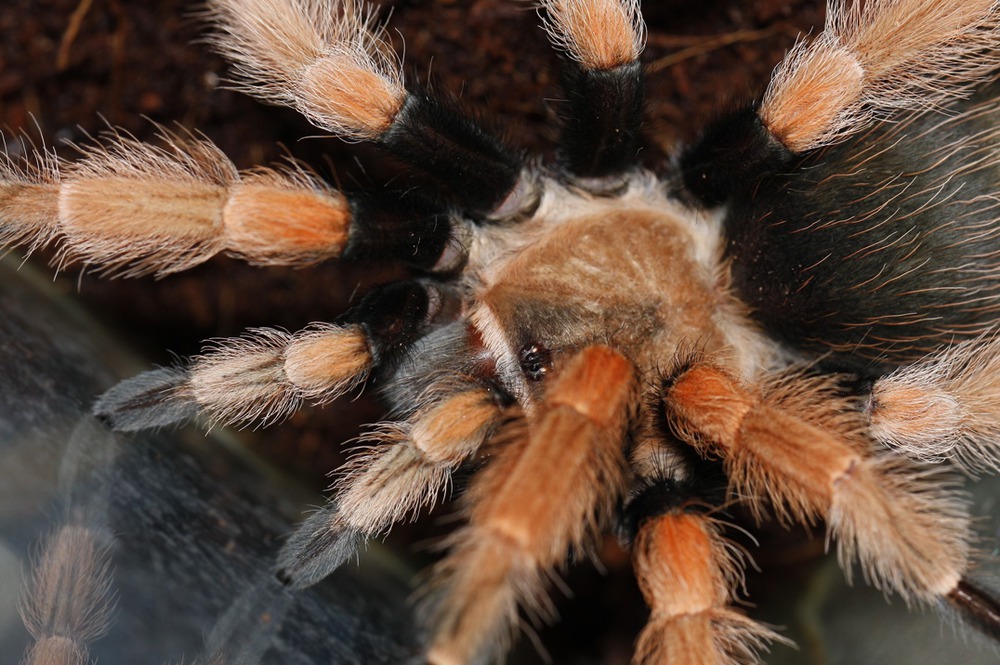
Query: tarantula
(798,313)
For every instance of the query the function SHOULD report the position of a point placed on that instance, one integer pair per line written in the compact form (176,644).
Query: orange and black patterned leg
(551,486)
(688,572)
(794,444)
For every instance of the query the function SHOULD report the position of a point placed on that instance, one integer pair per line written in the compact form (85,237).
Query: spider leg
(687,570)
(547,491)
(134,209)
(871,60)
(603,82)
(978,606)
(688,574)
(68,599)
(944,408)
(265,375)
(802,447)
(874,58)
(68,602)
(335,67)
(412,461)
(408,468)
(131,209)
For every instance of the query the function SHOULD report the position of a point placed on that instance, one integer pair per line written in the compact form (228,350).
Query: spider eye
(535,360)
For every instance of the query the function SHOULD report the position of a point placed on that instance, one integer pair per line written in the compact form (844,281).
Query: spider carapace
(797,313)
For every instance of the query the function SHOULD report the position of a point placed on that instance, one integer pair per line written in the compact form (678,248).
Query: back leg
(944,408)
(68,599)
(603,81)
(333,65)
(872,59)
(130,208)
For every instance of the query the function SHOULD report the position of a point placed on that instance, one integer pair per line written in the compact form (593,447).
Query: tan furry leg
(875,57)
(944,408)
(545,493)
(331,63)
(802,447)
(411,464)
(130,208)
(408,469)
(265,375)
(260,377)
(688,574)
(29,196)
(68,600)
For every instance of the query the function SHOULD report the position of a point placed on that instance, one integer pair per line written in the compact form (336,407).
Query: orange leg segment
(797,444)
(687,573)
(546,493)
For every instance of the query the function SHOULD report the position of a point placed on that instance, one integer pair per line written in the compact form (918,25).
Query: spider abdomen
(881,249)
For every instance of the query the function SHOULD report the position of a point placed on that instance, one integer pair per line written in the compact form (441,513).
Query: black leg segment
(601,131)
(473,168)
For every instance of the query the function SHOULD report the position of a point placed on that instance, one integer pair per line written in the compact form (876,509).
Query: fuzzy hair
(331,64)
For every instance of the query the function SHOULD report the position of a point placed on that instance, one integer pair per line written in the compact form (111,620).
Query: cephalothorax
(799,310)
